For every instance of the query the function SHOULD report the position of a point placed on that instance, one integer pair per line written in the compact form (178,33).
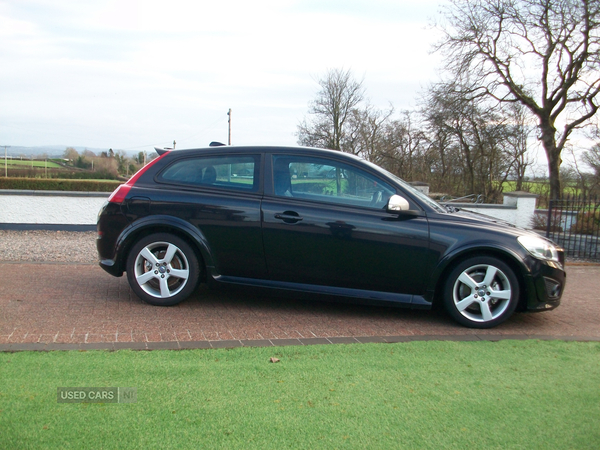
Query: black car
(318,222)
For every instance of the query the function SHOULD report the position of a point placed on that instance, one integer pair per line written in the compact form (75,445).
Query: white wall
(50,207)
(518,208)
(81,208)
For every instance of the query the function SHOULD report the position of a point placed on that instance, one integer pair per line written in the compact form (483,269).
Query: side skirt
(358,295)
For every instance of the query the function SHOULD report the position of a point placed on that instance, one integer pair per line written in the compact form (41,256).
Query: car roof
(260,149)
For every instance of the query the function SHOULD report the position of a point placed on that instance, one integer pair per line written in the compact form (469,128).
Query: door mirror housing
(397,203)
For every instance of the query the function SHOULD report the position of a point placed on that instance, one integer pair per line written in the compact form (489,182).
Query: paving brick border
(192,345)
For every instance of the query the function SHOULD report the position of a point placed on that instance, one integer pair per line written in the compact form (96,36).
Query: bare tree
(592,159)
(516,140)
(365,134)
(583,181)
(472,142)
(544,54)
(340,94)
(404,148)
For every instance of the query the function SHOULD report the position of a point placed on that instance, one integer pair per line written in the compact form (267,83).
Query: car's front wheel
(481,292)
(162,269)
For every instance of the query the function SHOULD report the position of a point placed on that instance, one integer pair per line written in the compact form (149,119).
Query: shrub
(61,173)
(588,222)
(54,184)
(540,222)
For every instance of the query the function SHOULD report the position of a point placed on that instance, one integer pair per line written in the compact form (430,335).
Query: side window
(227,171)
(329,181)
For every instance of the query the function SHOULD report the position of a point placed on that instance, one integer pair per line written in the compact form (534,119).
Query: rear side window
(227,171)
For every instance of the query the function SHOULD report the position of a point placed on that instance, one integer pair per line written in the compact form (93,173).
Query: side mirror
(397,203)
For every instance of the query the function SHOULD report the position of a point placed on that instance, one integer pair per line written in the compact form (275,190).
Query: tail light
(119,194)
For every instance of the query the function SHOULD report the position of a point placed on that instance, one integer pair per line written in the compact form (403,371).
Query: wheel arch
(509,257)
(165,224)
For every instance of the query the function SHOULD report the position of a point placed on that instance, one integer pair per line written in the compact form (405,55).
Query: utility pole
(229,122)
(6,161)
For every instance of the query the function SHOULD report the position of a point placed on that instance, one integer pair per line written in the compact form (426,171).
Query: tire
(481,292)
(162,269)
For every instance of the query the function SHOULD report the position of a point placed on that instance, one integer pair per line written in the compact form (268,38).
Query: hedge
(55,184)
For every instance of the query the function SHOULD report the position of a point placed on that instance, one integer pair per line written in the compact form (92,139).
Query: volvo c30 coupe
(321,222)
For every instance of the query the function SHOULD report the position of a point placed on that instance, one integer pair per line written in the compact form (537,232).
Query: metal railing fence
(574,223)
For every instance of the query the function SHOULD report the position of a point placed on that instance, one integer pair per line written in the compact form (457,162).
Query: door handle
(288,217)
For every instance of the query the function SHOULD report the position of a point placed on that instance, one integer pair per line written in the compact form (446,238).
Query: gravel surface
(48,246)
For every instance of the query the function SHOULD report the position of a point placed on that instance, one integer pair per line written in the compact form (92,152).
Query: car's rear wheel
(481,292)
(162,269)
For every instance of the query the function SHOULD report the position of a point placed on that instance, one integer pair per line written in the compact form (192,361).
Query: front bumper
(544,286)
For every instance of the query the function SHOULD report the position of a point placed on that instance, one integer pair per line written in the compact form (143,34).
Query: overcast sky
(132,74)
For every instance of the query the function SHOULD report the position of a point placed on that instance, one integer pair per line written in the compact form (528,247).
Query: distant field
(538,187)
(17,164)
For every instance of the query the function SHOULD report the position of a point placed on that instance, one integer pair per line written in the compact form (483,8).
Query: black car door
(325,223)
(220,195)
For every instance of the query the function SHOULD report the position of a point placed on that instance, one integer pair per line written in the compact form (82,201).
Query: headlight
(539,248)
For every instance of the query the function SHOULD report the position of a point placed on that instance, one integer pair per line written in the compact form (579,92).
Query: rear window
(227,171)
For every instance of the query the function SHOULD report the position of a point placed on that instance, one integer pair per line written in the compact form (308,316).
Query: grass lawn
(434,395)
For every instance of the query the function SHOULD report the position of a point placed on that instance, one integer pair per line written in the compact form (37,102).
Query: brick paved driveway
(63,306)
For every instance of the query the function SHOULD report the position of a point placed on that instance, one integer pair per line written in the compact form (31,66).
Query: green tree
(83,163)
(71,154)
(121,160)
